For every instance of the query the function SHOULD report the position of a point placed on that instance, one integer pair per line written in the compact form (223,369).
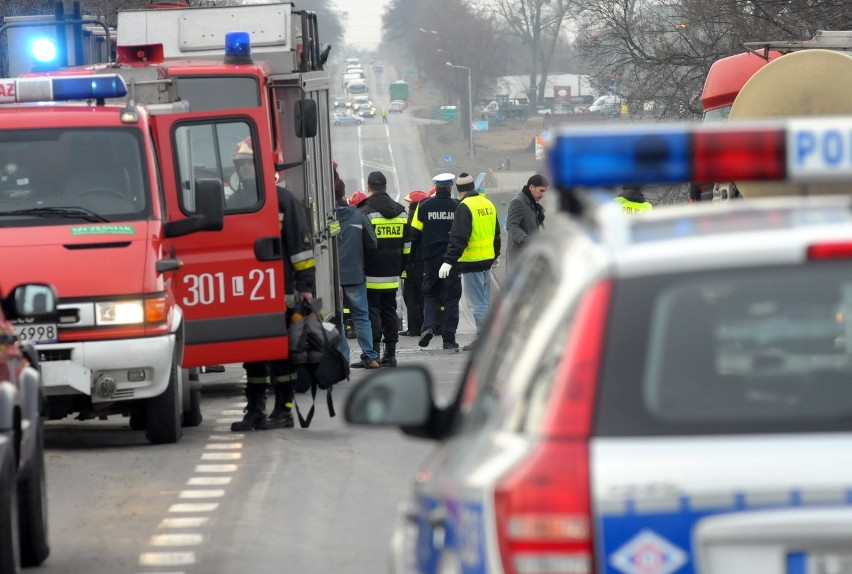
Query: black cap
(376,178)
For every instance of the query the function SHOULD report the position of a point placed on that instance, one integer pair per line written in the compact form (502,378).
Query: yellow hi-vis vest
(480,245)
(633,206)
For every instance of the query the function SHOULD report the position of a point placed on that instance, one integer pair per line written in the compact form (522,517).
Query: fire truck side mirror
(209,210)
(305,118)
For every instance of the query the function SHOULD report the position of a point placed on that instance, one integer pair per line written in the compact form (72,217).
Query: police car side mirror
(305,118)
(31,301)
(209,210)
(391,397)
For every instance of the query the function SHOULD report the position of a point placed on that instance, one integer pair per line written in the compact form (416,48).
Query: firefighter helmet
(357,198)
(244,150)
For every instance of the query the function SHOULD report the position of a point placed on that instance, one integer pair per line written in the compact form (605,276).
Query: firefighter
(385,264)
(299,277)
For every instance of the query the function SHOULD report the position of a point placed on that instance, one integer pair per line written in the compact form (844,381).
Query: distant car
(366,111)
(397,106)
(346,120)
(340,103)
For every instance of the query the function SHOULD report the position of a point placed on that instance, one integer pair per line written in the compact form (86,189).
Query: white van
(609,104)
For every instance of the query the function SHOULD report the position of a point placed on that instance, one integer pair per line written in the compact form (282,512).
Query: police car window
(509,342)
(219,93)
(750,351)
(223,151)
(97,170)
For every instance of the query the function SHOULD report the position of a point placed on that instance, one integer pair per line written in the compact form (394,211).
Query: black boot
(281,416)
(255,408)
(389,357)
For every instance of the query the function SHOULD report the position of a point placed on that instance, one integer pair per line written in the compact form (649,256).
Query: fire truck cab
(170,256)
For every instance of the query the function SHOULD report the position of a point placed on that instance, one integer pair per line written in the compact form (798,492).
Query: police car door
(231,283)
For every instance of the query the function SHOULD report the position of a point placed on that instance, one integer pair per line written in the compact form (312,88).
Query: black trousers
(383,318)
(440,293)
(412,294)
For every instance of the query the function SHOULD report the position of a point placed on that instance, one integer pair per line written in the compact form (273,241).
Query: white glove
(496,262)
(444,271)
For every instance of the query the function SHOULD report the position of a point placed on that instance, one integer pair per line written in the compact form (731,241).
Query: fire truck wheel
(164,412)
(9,557)
(32,508)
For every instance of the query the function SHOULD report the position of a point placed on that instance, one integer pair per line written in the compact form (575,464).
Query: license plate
(819,563)
(36,332)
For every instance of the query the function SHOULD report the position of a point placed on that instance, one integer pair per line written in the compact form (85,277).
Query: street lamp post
(469,104)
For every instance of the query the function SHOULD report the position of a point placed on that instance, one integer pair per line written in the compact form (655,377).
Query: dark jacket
(356,238)
(299,265)
(432,224)
(525,217)
(389,220)
(415,256)
(460,234)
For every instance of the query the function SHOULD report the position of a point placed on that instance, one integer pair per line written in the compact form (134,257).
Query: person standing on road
(385,264)
(473,249)
(356,238)
(526,215)
(300,280)
(431,226)
(632,200)
(412,282)
(384,115)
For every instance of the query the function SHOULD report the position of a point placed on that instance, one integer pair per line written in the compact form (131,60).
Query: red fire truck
(130,204)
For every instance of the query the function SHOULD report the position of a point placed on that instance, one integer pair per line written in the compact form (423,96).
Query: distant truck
(398,90)
(780,79)
(502,108)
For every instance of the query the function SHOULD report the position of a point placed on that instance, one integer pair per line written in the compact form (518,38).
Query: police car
(668,393)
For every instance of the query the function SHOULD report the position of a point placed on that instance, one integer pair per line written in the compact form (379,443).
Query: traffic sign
(448,158)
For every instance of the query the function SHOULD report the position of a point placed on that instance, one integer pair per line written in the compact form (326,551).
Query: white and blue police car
(668,393)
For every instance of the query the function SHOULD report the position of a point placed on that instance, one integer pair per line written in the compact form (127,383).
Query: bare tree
(657,55)
(538,24)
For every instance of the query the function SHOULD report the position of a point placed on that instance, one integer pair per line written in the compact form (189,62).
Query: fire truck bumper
(108,370)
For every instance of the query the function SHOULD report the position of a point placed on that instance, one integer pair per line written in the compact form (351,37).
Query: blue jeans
(477,292)
(355,299)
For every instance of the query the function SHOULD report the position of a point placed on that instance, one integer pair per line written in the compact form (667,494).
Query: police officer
(299,277)
(473,247)
(632,200)
(431,225)
(384,265)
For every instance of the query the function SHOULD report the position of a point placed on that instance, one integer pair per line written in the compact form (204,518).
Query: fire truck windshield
(93,172)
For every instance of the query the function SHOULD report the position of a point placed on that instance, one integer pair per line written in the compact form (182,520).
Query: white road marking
(166,558)
(216,468)
(233,436)
(233,412)
(225,446)
(221,456)
(184,522)
(214,493)
(223,428)
(194,507)
(176,539)
(208,481)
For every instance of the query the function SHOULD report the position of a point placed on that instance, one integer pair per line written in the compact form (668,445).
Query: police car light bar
(61,89)
(796,150)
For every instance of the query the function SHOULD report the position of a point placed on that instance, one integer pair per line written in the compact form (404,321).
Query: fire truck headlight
(119,313)
(44,50)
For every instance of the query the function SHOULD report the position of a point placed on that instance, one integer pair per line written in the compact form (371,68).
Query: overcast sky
(363,28)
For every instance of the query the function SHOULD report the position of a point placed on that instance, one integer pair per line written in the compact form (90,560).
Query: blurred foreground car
(23,495)
(668,393)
